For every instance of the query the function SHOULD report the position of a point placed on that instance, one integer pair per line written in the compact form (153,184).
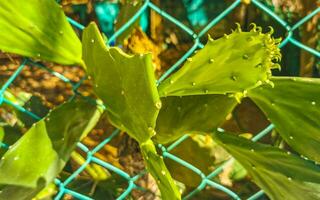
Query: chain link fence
(207,179)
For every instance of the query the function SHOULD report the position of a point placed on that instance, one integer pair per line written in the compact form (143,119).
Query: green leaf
(127,86)
(293,106)
(238,172)
(41,153)
(47,192)
(281,175)
(38,29)
(191,114)
(231,64)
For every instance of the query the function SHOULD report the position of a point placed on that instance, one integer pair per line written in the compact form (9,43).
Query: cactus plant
(293,107)
(229,65)
(187,108)
(281,174)
(277,97)
(127,86)
(191,114)
(52,139)
(38,29)
(196,99)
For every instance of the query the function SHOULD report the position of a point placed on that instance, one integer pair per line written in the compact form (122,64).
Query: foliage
(38,29)
(127,86)
(282,175)
(191,114)
(216,69)
(50,142)
(293,107)
(196,99)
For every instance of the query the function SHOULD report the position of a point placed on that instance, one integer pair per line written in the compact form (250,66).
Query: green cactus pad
(41,153)
(231,64)
(293,106)
(191,114)
(38,29)
(127,86)
(281,176)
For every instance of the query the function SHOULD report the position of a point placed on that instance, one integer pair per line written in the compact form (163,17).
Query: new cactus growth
(232,65)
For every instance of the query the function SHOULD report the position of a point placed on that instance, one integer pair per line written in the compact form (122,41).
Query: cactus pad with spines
(280,174)
(38,29)
(127,86)
(191,114)
(293,106)
(229,65)
(41,153)
(125,83)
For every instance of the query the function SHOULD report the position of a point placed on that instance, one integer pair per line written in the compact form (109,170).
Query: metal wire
(131,180)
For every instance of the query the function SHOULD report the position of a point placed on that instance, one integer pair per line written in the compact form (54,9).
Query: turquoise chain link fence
(131,180)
